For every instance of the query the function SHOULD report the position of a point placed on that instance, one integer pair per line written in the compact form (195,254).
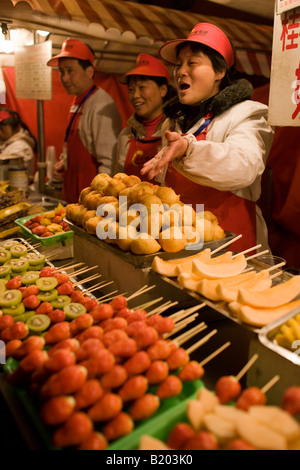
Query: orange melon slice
(220,270)
(275,296)
(229,292)
(260,317)
(208,287)
(168,267)
(189,281)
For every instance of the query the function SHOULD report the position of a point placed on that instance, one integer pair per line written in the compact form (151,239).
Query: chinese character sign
(284,99)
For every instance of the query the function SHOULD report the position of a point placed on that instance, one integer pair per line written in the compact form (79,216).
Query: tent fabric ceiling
(253,43)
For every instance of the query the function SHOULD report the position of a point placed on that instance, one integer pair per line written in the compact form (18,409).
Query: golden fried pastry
(172,239)
(170,218)
(69,210)
(83,193)
(144,244)
(79,219)
(152,224)
(151,203)
(126,236)
(131,180)
(210,216)
(114,187)
(91,224)
(191,234)
(167,195)
(88,215)
(212,231)
(75,211)
(187,215)
(120,176)
(109,209)
(139,190)
(100,182)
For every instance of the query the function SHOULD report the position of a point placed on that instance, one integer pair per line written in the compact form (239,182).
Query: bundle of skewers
(252,296)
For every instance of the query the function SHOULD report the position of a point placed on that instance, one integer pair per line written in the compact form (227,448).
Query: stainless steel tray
(267,335)
(145,261)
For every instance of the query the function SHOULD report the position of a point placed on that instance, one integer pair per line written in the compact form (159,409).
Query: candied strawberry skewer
(255,396)
(228,387)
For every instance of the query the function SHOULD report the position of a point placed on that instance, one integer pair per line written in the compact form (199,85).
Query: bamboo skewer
(214,354)
(83,281)
(276,266)
(72,266)
(270,384)
(147,304)
(247,251)
(113,296)
(84,270)
(188,311)
(189,334)
(246,367)
(163,308)
(201,342)
(140,292)
(104,296)
(226,244)
(256,255)
(180,325)
(97,286)
(273,276)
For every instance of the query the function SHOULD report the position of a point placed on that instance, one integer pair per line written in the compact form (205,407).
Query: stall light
(21,37)
(43,33)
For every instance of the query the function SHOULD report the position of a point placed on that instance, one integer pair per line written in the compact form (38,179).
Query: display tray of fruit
(237,285)
(47,227)
(283,336)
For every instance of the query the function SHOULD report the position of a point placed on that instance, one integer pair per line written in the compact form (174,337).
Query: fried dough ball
(120,176)
(74,212)
(152,224)
(126,236)
(108,230)
(139,190)
(91,224)
(131,180)
(192,234)
(70,209)
(167,195)
(100,182)
(88,215)
(187,215)
(170,218)
(130,216)
(210,216)
(93,200)
(172,240)
(144,244)
(152,203)
(109,209)
(81,215)
(84,193)
(212,231)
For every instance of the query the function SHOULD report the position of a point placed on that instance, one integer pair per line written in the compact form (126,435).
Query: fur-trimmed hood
(139,127)
(233,94)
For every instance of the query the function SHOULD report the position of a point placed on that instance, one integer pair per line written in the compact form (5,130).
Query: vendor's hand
(176,148)
(58,169)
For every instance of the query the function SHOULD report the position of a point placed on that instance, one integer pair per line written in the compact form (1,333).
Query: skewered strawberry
(65,382)
(57,410)
(114,323)
(170,387)
(95,441)
(120,426)
(66,288)
(31,302)
(239,444)
(6,321)
(144,407)
(137,315)
(28,345)
(157,372)
(123,348)
(290,401)
(59,359)
(45,308)
(118,303)
(113,336)
(202,440)
(94,331)
(74,431)
(109,406)
(124,312)
(102,312)
(191,371)
(137,363)
(70,343)
(77,296)
(161,349)
(227,389)
(114,378)
(33,360)
(133,388)
(80,323)
(101,362)
(11,347)
(87,348)
(178,358)
(30,290)
(88,394)
(249,397)
(57,316)
(180,434)
(89,303)
(58,332)
(145,337)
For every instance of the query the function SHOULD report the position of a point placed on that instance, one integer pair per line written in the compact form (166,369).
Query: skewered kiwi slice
(4,270)
(73,310)
(18,250)
(25,316)
(61,301)
(5,255)
(36,267)
(10,297)
(38,322)
(35,258)
(46,283)
(29,277)
(9,243)
(18,265)
(2,285)
(14,310)
(48,296)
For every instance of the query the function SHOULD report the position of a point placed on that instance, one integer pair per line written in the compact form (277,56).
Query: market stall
(86,281)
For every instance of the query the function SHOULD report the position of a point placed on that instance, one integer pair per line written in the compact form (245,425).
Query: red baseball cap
(5,115)
(202,33)
(73,49)
(149,66)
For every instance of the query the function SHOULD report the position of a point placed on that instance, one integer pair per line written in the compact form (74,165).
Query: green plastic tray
(43,240)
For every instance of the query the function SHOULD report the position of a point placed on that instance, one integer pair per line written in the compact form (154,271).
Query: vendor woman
(148,89)
(216,139)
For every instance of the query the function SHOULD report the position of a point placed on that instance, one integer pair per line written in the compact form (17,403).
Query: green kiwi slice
(14,310)
(25,316)
(29,277)
(9,243)
(10,297)
(38,322)
(36,267)
(18,250)
(48,295)
(35,258)
(2,285)
(73,310)
(18,265)
(46,283)
(61,301)
(5,255)
(4,270)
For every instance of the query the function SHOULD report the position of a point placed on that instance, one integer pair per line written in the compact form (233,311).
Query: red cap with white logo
(72,49)
(203,33)
(149,66)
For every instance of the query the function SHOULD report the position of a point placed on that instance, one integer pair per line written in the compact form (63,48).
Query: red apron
(235,214)
(139,152)
(82,167)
